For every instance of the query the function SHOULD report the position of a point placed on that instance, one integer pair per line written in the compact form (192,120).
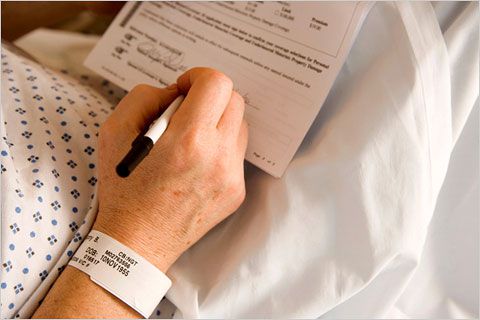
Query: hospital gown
(340,235)
(49,129)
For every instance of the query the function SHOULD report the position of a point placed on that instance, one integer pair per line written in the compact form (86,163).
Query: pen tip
(122,170)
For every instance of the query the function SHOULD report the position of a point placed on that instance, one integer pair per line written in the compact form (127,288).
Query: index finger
(209,92)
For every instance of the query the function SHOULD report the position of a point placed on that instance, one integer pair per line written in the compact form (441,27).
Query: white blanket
(346,225)
(342,233)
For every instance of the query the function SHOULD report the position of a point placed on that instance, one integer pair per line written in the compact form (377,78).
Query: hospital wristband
(122,272)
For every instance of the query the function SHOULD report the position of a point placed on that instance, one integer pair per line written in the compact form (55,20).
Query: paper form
(283,58)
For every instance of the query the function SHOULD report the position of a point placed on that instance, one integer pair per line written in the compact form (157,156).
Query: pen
(142,145)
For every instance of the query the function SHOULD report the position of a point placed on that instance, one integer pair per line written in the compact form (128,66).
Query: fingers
(209,92)
(243,138)
(211,101)
(142,105)
(232,117)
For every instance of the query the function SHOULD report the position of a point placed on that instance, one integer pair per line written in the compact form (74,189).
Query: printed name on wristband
(121,271)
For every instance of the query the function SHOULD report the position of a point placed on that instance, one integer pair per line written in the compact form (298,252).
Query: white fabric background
(343,232)
(346,226)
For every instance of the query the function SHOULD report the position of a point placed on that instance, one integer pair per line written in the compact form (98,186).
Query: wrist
(152,246)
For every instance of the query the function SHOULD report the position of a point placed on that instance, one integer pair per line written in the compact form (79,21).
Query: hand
(191,180)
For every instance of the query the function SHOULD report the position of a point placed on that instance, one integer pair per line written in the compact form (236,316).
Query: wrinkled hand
(193,177)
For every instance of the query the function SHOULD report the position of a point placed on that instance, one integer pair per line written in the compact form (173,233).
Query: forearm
(191,180)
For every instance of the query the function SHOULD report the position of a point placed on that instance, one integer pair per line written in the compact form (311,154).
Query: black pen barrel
(140,149)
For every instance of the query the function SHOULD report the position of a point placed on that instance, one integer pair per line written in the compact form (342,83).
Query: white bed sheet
(344,232)
(446,283)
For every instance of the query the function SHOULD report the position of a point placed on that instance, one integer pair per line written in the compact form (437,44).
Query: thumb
(141,106)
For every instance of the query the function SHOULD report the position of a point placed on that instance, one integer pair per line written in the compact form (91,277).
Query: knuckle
(201,70)
(219,79)
(191,143)
(142,88)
